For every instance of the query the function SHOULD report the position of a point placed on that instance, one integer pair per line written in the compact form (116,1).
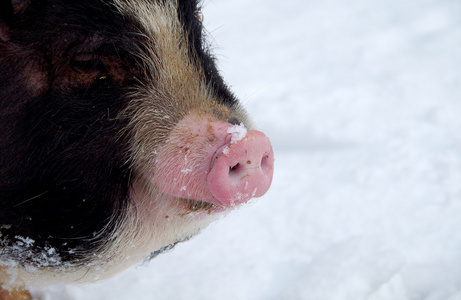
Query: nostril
(265,162)
(235,171)
(234,168)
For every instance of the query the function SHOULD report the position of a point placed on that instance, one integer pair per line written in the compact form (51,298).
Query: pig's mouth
(196,206)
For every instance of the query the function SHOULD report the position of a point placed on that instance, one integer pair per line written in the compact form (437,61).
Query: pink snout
(243,170)
(215,162)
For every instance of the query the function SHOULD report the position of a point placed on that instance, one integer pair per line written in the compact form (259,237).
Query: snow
(361,100)
(238,132)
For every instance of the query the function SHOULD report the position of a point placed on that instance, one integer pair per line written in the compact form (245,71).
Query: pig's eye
(94,66)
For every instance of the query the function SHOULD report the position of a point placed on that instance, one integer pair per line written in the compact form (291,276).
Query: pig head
(118,137)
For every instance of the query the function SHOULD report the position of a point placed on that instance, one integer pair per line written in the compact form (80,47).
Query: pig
(118,137)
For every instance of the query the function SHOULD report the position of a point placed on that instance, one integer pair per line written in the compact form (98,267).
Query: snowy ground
(362,101)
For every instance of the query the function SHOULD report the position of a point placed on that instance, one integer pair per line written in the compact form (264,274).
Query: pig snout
(214,162)
(243,170)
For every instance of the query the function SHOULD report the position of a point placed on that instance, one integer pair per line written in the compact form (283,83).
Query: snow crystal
(186,171)
(225,150)
(237,132)
(22,241)
(21,249)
